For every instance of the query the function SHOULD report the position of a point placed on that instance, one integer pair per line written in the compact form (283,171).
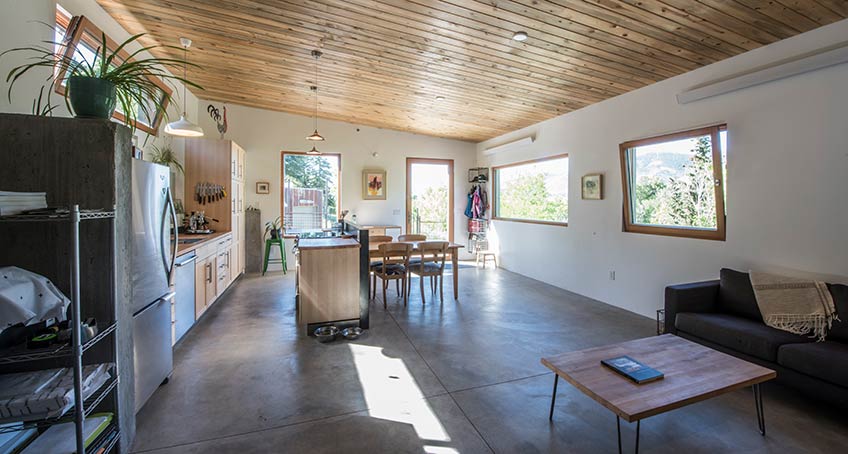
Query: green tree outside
(687,200)
(314,172)
(527,197)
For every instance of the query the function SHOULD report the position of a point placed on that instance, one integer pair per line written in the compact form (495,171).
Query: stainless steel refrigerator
(153,255)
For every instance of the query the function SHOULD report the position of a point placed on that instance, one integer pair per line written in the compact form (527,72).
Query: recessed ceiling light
(520,36)
(440,98)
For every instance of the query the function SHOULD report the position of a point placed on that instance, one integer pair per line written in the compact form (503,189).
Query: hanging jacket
(477,204)
(468,208)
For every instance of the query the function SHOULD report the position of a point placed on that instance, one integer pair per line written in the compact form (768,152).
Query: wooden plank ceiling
(386,61)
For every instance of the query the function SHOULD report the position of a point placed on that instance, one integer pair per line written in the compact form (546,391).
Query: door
(429,197)
(152,353)
(153,248)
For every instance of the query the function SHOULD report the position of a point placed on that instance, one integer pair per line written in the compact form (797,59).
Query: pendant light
(183,127)
(313,151)
(315,137)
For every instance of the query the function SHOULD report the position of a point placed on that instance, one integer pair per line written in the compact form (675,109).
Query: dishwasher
(184,301)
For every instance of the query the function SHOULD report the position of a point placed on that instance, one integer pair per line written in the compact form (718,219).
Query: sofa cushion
(839,329)
(827,361)
(737,333)
(736,295)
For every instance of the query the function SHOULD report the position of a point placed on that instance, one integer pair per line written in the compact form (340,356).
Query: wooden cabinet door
(211,281)
(234,157)
(241,159)
(201,278)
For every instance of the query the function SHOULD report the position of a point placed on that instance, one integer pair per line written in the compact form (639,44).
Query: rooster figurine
(220,120)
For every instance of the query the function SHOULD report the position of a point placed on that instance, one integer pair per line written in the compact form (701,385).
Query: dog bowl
(352,332)
(326,333)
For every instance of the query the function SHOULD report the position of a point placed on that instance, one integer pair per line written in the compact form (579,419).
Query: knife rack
(208,161)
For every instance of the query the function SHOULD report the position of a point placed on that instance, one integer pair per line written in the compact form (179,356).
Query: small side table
(282,260)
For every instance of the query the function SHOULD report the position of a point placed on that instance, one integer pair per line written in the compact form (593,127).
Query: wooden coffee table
(693,373)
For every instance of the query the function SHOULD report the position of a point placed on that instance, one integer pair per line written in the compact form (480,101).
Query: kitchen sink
(190,240)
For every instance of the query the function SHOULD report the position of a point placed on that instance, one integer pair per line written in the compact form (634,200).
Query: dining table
(453,252)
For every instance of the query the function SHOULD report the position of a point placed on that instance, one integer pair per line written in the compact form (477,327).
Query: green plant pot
(92,97)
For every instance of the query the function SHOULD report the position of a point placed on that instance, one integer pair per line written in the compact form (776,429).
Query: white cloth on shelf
(27,297)
(31,396)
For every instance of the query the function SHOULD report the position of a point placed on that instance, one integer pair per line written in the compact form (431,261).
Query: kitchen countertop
(327,243)
(188,247)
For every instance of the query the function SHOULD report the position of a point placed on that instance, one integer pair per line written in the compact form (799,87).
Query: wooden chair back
(394,254)
(377,239)
(412,237)
(433,252)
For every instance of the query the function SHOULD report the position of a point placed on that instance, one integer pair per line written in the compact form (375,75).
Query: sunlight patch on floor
(391,393)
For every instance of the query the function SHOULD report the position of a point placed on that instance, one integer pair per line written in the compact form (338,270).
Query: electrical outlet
(396,212)
(612,275)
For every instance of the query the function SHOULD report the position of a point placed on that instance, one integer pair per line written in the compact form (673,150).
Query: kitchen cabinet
(210,265)
(323,299)
(220,162)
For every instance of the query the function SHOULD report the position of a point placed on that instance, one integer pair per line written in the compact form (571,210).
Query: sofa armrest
(693,297)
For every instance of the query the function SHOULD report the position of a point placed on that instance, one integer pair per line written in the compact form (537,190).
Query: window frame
(495,191)
(80,28)
(717,234)
(283,182)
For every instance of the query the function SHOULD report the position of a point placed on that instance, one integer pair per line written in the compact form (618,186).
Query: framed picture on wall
(263,187)
(373,184)
(592,186)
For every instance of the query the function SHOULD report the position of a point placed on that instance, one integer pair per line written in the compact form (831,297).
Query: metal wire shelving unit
(73,216)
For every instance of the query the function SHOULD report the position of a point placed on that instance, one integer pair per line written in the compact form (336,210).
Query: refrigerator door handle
(169,262)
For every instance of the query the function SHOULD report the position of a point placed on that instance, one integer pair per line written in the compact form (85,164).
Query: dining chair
(394,265)
(412,237)
(432,256)
(376,240)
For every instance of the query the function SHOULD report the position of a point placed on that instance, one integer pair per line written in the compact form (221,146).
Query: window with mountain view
(535,191)
(675,184)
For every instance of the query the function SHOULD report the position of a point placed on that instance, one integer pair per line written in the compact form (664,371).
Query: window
(533,191)
(674,184)
(81,39)
(310,196)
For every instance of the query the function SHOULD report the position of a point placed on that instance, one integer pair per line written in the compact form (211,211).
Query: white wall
(19,27)
(787,183)
(264,134)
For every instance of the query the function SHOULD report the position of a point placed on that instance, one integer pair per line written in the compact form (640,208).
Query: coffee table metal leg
(553,397)
(758,401)
(618,429)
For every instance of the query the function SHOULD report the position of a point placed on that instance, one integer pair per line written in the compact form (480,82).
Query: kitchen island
(328,280)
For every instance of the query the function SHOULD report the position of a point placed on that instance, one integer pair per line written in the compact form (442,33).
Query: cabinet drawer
(224,243)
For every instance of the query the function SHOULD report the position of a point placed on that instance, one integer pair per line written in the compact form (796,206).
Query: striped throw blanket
(800,306)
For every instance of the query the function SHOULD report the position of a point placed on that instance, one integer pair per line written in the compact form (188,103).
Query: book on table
(632,369)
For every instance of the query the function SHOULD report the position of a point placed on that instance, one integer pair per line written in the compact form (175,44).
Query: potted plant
(166,156)
(94,88)
(273,228)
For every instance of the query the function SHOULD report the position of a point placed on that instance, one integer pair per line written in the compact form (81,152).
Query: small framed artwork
(592,186)
(373,184)
(263,187)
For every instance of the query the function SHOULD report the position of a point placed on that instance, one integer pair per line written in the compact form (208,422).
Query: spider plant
(109,79)
(166,156)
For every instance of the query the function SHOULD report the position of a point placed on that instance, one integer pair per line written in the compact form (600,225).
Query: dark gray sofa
(723,314)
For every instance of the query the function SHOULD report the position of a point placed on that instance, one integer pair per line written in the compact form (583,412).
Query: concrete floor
(462,377)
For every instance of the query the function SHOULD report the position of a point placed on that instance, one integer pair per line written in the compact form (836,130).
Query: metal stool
(271,242)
